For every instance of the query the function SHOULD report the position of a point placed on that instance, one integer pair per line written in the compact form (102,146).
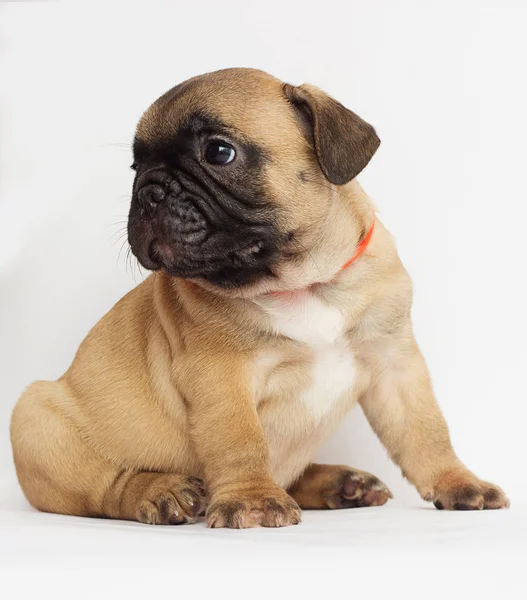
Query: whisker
(127,145)
(118,237)
(121,249)
(141,272)
(117,223)
(128,260)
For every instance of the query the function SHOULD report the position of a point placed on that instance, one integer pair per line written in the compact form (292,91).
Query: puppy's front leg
(230,443)
(402,410)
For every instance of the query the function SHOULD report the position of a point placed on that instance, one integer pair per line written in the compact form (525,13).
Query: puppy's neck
(335,243)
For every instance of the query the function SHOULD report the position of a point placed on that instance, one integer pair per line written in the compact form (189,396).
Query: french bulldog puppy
(277,302)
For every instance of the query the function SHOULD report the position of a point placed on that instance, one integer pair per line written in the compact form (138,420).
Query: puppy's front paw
(266,508)
(463,491)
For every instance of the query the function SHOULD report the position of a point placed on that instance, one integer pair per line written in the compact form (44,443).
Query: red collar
(361,247)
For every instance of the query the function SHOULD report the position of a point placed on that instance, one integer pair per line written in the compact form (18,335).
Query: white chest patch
(302,317)
(332,375)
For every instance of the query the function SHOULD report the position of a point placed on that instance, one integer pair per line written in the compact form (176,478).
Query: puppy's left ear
(344,143)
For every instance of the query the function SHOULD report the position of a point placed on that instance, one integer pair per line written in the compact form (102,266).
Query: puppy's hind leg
(337,486)
(61,473)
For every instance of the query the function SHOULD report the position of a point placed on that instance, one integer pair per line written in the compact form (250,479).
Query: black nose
(151,195)
(156,186)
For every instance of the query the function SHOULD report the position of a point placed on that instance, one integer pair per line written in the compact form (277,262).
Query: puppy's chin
(229,281)
(253,288)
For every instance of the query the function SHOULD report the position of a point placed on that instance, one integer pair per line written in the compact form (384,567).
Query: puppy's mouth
(164,255)
(227,259)
(234,267)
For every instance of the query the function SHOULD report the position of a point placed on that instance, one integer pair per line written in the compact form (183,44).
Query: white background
(442,81)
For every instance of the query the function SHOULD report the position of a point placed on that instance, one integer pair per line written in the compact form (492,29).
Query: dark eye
(219,153)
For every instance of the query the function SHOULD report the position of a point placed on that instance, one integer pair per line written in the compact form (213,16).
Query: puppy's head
(233,169)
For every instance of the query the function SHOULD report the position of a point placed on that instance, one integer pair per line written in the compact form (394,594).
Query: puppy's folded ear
(344,143)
